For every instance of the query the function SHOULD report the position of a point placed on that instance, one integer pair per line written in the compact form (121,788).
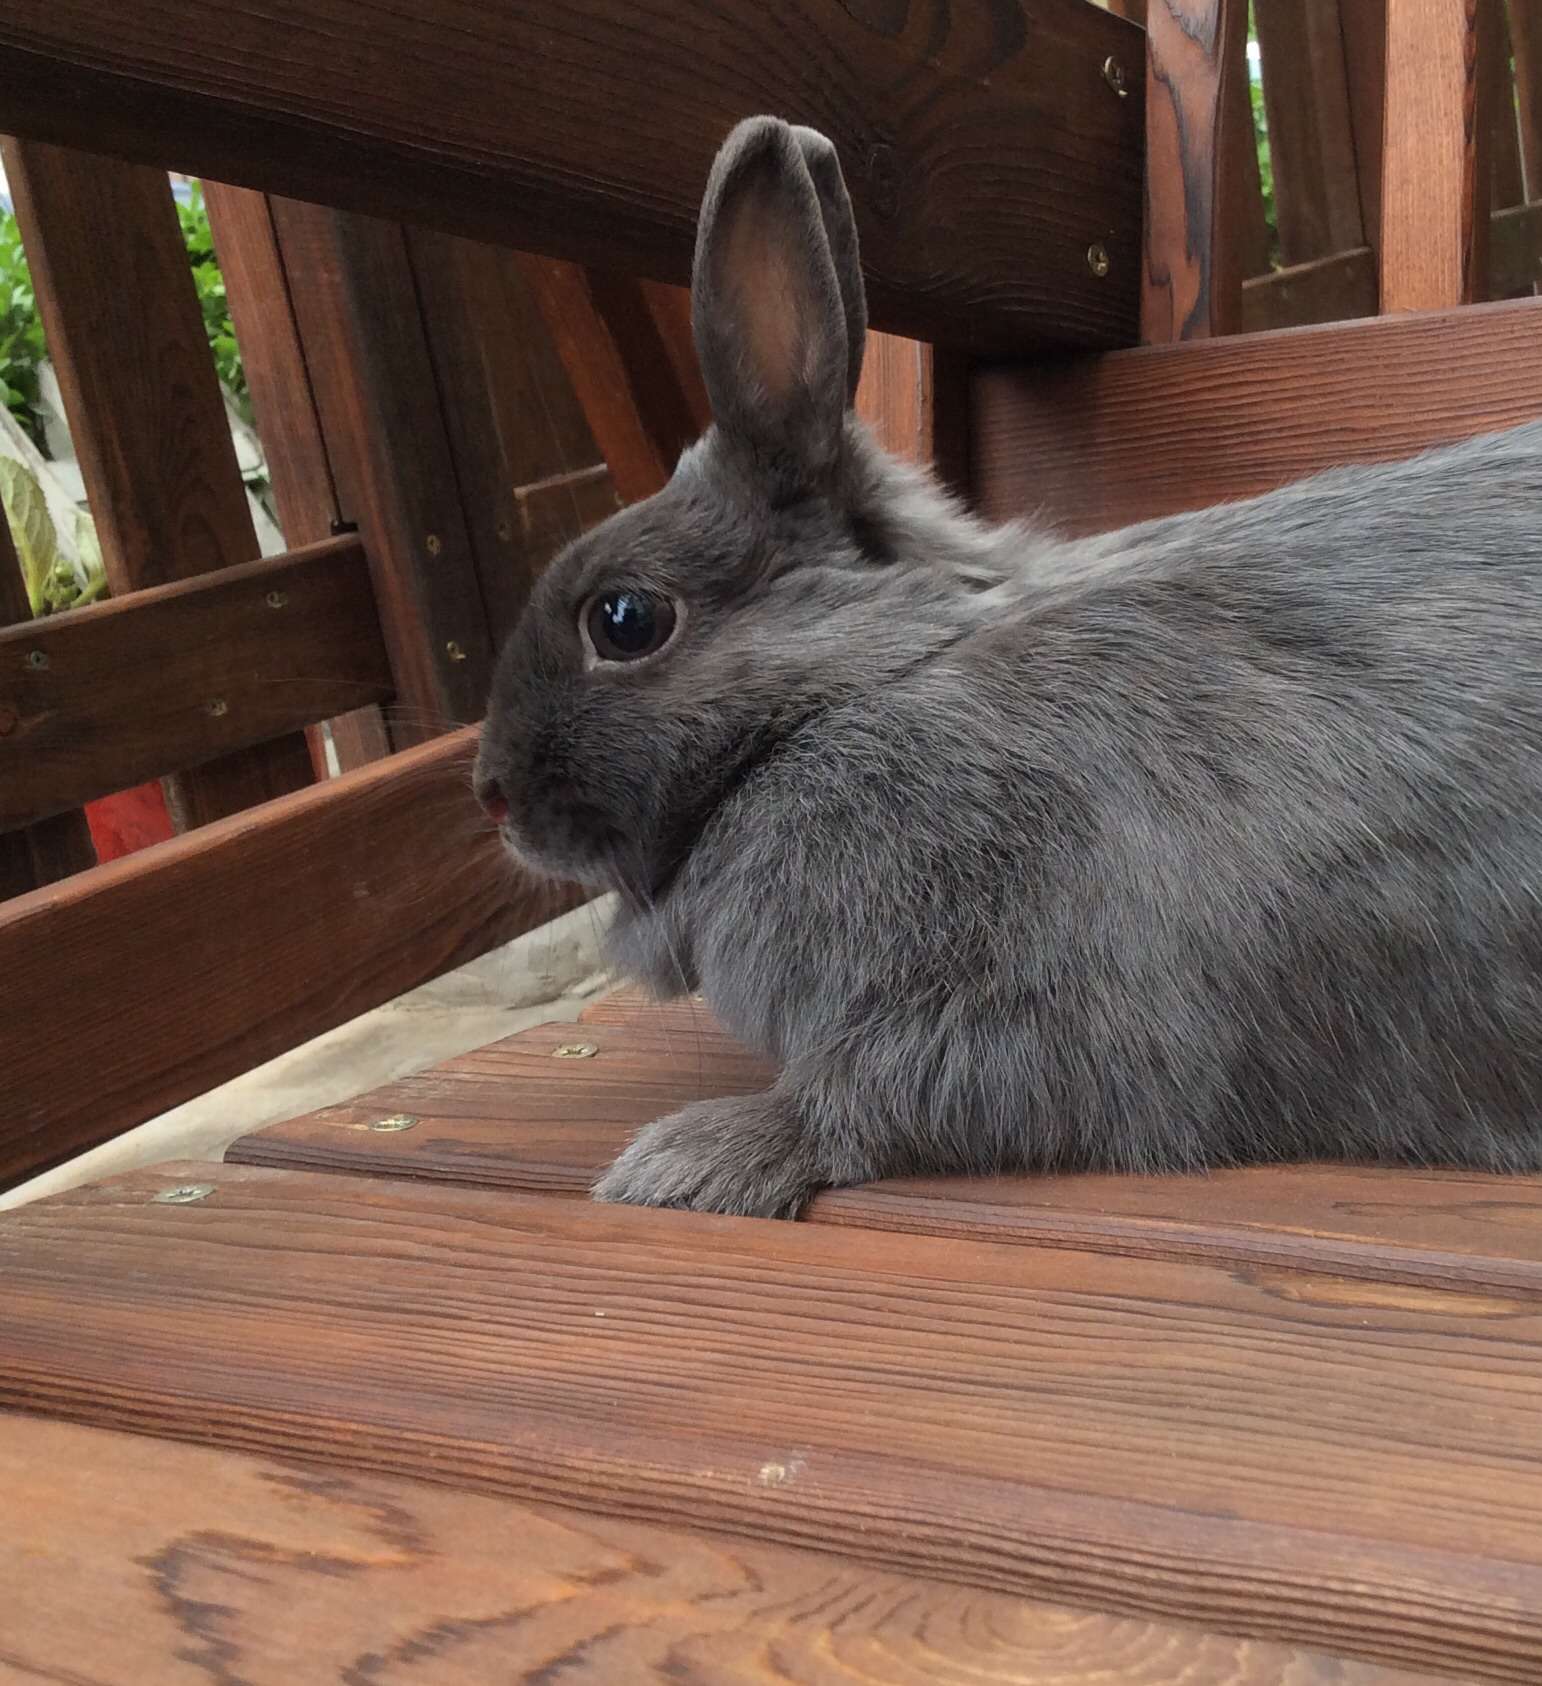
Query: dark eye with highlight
(625,625)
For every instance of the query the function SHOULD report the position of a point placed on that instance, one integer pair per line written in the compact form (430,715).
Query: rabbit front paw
(747,1156)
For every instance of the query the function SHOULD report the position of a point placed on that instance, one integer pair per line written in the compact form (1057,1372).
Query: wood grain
(1364,27)
(983,147)
(131,1560)
(225,947)
(524,1115)
(1433,187)
(1525,24)
(166,679)
(1191,274)
(631,364)
(1334,289)
(143,401)
(1161,1439)
(262,311)
(1140,433)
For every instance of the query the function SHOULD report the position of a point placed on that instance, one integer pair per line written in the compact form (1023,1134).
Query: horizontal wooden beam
(162,680)
(135,986)
(1099,442)
(987,150)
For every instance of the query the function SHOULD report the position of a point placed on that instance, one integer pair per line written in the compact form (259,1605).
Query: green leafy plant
(21,333)
(52,580)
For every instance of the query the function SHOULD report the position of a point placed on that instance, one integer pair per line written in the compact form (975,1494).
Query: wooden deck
(396,1404)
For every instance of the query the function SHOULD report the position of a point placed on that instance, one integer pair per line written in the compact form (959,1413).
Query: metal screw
(454,651)
(1113,75)
(1097,259)
(37,659)
(389,1126)
(183,1195)
(435,544)
(575,1051)
(216,706)
(277,599)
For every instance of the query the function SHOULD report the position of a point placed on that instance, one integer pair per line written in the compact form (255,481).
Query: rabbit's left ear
(824,168)
(766,307)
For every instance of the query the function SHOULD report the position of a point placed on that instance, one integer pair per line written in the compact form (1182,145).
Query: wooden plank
(547,1110)
(1524,18)
(1191,273)
(53,850)
(1165,1439)
(366,349)
(262,312)
(894,396)
(140,1557)
(1364,26)
(1152,431)
(629,358)
(1335,289)
(1497,112)
(1311,138)
(223,948)
(166,679)
(985,150)
(1431,236)
(143,401)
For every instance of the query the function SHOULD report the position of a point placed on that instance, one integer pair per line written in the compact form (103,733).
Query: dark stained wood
(132,1559)
(984,149)
(1334,289)
(1364,27)
(262,312)
(1433,185)
(1496,109)
(169,678)
(1192,265)
(1515,250)
(1152,431)
(553,511)
(60,846)
(628,355)
(1524,18)
(1311,137)
(545,1111)
(225,947)
(1292,1456)
(382,414)
(144,407)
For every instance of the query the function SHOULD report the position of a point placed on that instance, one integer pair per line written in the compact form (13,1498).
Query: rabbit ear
(766,306)
(824,166)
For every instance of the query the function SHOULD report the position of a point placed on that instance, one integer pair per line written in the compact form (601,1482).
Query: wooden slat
(131,1559)
(1311,138)
(1525,22)
(166,679)
(985,150)
(1335,289)
(1152,431)
(225,947)
(1431,237)
(1364,26)
(262,312)
(522,1115)
(628,355)
(1167,1439)
(56,848)
(1191,274)
(1496,110)
(144,407)
(366,350)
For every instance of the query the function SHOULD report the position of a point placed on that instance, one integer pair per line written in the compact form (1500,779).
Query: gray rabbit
(1213,841)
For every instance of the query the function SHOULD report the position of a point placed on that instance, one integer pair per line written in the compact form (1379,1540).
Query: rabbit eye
(626,625)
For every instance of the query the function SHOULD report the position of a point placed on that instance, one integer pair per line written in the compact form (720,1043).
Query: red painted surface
(129,820)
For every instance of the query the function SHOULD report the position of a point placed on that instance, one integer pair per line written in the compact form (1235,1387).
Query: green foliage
(210,283)
(1261,139)
(21,333)
(53,582)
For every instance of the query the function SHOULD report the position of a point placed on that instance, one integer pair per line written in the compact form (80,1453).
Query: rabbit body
(1213,841)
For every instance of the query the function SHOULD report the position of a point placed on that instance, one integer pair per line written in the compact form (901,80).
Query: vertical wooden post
(144,406)
(1192,281)
(1525,20)
(1434,197)
(1363,24)
(257,287)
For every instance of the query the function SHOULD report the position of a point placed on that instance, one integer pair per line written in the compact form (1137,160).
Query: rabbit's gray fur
(1212,841)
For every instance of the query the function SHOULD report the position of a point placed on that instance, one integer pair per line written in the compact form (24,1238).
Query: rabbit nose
(491,796)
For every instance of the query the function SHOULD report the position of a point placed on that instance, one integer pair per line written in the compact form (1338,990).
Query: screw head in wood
(575,1051)
(453,650)
(1113,75)
(37,659)
(217,707)
(435,544)
(277,599)
(1097,259)
(184,1194)
(391,1125)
